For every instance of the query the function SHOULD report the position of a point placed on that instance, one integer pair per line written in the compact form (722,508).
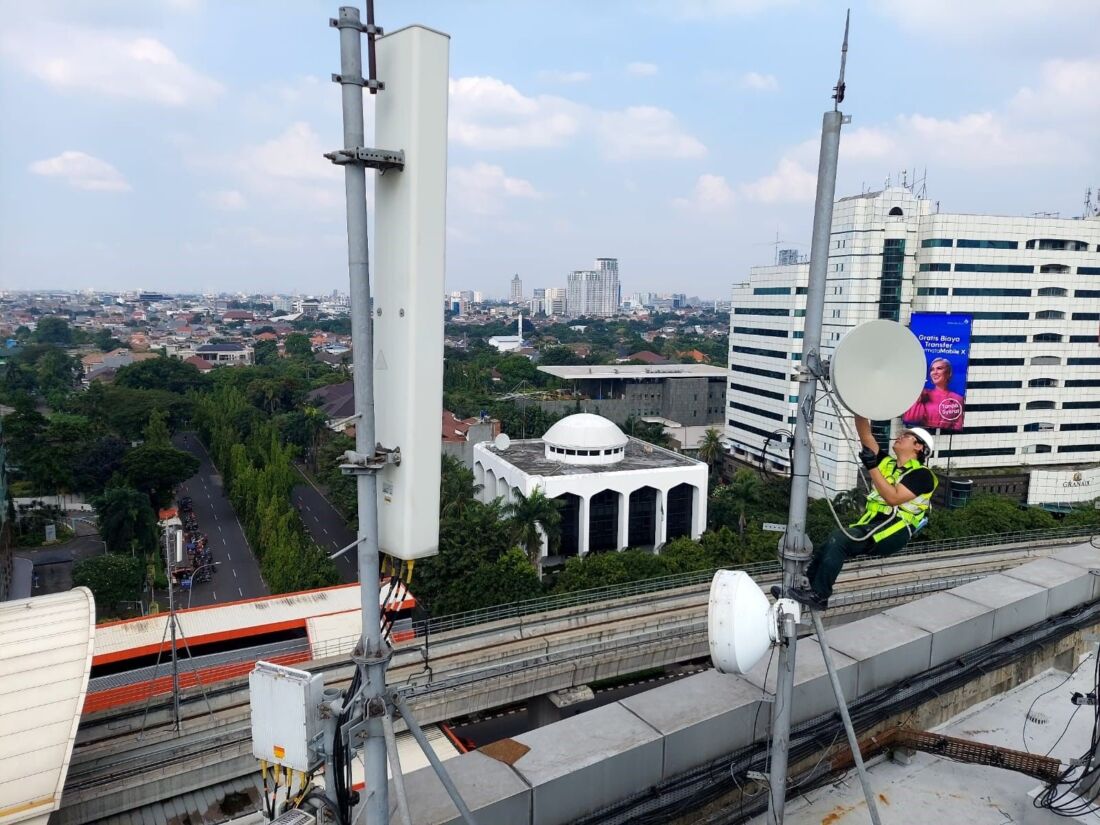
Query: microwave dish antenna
(878,369)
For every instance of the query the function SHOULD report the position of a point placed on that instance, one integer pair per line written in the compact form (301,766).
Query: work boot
(807,596)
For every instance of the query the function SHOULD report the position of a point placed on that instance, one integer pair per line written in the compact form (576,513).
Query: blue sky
(176,144)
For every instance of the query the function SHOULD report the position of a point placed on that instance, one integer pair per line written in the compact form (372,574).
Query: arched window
(896,212)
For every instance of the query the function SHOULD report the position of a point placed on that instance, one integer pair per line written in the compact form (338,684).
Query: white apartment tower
(1032,285)
(517,290)
(594,292)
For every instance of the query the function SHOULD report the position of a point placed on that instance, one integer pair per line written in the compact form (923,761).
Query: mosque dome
(585,439)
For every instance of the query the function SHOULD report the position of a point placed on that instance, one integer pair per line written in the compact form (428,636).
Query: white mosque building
(616,491)
(509,343)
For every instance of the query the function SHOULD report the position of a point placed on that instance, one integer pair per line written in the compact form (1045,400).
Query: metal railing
(579,598)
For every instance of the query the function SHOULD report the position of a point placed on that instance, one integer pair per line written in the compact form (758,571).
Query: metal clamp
(382,159)
(365,28)
(357,463)
(358,80)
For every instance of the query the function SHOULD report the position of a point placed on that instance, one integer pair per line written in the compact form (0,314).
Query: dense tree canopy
(113,579)
(126,521)
(156,470)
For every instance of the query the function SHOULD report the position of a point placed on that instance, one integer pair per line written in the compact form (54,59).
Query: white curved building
(616,491)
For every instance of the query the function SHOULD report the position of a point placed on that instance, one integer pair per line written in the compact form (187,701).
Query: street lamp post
(191,579)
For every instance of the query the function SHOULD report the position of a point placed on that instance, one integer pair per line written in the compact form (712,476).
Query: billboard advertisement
(946,341)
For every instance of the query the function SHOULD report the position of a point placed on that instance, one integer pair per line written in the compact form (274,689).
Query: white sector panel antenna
(878,369)
(409,230)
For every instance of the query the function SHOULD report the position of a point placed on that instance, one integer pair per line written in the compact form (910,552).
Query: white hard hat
(923,436)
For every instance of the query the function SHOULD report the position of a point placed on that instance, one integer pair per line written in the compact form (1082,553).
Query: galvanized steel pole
(172,624)
(374,653)
(795,549)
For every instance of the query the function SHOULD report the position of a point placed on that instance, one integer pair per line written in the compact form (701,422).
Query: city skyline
(177,146)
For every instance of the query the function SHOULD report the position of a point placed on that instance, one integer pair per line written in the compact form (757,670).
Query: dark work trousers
(838,548)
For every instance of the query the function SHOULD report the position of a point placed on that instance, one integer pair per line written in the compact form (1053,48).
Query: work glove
(869,458)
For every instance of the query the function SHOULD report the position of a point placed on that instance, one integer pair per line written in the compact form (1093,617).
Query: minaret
(519,328)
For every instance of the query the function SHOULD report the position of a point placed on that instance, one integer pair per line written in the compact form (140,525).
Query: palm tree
(527,516)
(711,451)
(743,491)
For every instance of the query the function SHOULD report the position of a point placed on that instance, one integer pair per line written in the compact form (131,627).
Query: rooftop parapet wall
(584,763)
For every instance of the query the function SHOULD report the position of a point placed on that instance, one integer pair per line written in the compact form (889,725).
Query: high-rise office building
(517,290)
(538,301)
(555,300)
(1032,285)
(594,292)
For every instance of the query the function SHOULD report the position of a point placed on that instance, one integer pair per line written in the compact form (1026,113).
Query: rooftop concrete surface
(932,789)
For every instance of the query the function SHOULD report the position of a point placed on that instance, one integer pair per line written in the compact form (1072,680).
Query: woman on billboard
(937,405)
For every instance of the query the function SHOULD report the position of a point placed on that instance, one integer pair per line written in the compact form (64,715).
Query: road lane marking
(219,530)
(307,507)
(215,516)
(316,519)
(241,592)
(325,529)
(215,592)
(234,572)
(229,557)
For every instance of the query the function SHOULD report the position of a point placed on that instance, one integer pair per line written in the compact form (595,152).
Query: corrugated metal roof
(204,622)
(45,659)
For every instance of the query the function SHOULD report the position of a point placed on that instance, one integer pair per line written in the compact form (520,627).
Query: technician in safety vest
(895,510)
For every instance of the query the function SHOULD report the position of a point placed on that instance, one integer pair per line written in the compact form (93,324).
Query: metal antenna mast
(372,654)
(795,548)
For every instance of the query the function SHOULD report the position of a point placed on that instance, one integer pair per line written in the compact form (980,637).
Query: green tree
(297,345)
(650,431)
(730,504)
(156,431)
(112,580)
(531,517)
(711,451)
(265,353)
(156,470)
(169,374)
(126,521)
(53,330)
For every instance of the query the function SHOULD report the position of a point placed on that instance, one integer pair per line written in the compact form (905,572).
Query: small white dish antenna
(741,624)
(502,442)
(878,369)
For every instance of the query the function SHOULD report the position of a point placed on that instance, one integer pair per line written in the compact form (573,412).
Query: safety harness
(911,515)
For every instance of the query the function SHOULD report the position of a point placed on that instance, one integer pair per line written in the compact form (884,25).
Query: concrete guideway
(473,669)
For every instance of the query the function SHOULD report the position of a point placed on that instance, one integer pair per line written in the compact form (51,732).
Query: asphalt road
(327,527)
(238,574)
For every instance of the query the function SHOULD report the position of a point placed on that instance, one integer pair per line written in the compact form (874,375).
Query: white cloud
(226,200)
(642,69)
(760,82)
(981,23)
(1066,90)
(646,132)
(558,76)
(112,63)
(791,182)
(483,188)
(709,9)
(82,171)
(487,113)
(711,193)
(290,170)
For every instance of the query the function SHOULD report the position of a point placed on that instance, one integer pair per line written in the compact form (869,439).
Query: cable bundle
(1059,796)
